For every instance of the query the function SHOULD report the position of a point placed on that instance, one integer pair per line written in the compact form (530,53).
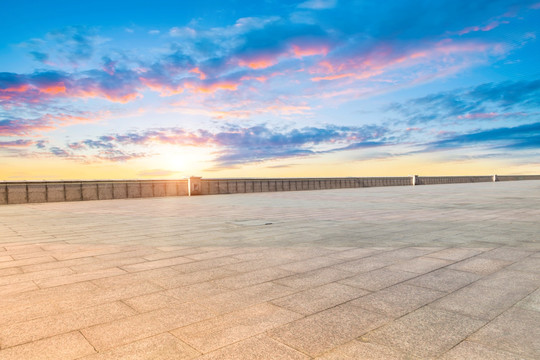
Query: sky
(170,89)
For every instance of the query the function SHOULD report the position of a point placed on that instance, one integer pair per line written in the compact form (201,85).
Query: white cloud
(318,4)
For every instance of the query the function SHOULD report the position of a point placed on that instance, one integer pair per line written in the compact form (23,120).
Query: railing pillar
(194,185)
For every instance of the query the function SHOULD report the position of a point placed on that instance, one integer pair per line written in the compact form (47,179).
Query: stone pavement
(442,271)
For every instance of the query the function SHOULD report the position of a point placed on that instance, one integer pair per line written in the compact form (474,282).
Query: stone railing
(54,191)
(234,186)
(433,180)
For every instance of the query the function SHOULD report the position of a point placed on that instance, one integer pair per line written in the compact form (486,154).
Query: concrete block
(133,189)
(249,186)
(3,194)
(73,192)
(147,189)
(170,188)
(159,189)
(37,193)
(17,193)
(286,184)
(105,191)
(265,186)
(119,190)
(55,192)
(90,191)
(272,185)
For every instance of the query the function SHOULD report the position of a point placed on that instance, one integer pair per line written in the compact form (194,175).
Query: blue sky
(272,88)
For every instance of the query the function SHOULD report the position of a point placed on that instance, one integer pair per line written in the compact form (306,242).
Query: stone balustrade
(54,191)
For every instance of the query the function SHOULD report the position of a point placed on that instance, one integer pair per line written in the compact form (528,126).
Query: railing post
(194,186)
(495,178)
(414,180)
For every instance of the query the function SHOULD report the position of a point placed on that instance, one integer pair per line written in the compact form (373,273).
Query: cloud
(508,138)
(345,46)
(40,56)
(73,44)
(24,127)
(508,99)
(43,86)
(41,144)
(492,25)
(12,126)
(238,145)
(56,151)
(21,143)
(318,4)
(119,155)
(96,144)
(268,66)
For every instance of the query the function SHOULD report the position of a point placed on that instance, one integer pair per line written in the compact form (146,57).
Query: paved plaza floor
(441,271)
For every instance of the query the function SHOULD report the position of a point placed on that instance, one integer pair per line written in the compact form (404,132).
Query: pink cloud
(386,58)
(110,95)
(53,89)
(161,88)
(333,77)
(17,143)
(213,87)
(261,78)
(492,25)
(18,127)
(47,122)
(490,115)
(15,89)
(196,70)
(262,62)
(309,50)
(42,87)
